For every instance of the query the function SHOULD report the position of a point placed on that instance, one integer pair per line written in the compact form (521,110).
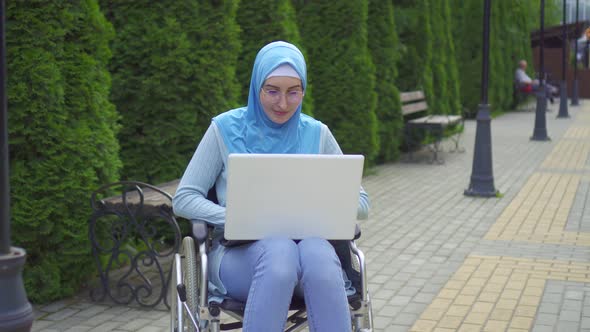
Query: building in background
(571,10)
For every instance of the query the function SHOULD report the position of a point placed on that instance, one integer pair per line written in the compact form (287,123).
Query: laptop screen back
(292,195)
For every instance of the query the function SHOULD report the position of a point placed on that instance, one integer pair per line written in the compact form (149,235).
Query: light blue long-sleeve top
(208,168)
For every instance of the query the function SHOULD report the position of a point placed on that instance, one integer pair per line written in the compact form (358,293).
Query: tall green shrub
(439,100)
(501,79)
(217,43)
(467,32)
(335,36)
(384,47)
(62,136)
(452,77)
(262,22)
(444,97)
(413,19)
(173,69)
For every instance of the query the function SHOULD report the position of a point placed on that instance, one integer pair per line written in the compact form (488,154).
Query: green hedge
(384,47)
(216,88)
(173,69)
(414,26)
(62,136)
(445,72)
(335,37)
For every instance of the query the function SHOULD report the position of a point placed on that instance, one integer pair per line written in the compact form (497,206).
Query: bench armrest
(199,230)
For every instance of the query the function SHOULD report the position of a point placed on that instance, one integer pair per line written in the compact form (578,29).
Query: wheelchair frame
(191,311)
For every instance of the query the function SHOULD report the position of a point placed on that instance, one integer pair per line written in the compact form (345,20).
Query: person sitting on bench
(527,85)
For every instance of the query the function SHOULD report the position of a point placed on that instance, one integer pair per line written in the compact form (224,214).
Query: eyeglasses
(293,97)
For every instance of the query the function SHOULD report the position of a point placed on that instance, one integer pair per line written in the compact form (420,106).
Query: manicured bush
(385,53)
(217,43)
(341,71)
(62,131)
(444,58)
(173,69)
(414,26)
(453,83)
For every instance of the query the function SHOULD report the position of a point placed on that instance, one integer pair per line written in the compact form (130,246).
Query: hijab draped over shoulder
(249,130)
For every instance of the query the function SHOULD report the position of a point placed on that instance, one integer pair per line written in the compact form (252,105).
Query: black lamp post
(540,131)
(16,313)
(575,98)
(482,177)
(563,112)
(587,48)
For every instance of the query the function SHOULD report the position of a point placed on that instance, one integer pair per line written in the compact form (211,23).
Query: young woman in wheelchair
(266,274)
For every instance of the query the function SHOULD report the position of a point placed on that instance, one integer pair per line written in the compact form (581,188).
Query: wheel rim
(191,280)
(173,298)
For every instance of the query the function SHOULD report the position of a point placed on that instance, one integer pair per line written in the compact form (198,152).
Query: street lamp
(563,112)
(575,98)
(16,313)
(482,177)
(540,131)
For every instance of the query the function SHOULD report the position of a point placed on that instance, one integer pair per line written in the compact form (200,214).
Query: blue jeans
(266,273)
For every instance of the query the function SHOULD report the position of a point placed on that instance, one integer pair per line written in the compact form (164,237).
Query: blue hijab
(249,130)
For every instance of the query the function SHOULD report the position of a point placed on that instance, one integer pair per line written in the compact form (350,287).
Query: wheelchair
(191,311)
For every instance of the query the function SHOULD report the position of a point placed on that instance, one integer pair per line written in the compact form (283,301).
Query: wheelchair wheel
(173,294)
(368,319)
(363,320)
(187,261)
(191,279)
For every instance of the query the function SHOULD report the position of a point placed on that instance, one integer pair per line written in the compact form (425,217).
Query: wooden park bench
(418,123)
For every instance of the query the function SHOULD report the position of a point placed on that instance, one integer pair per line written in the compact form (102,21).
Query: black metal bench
(417,124)
(133,238)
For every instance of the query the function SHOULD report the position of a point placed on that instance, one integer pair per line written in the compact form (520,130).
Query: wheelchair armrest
(199,230)
(234,243)
(357,232)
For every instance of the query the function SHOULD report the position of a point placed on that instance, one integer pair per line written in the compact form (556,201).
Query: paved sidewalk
(441,261)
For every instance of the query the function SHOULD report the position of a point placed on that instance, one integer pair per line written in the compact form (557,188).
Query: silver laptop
(292,195)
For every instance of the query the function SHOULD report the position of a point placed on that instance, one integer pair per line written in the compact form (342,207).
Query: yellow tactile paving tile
(578,132)
(569,154)
(539,212)
(495,293)
(583,117)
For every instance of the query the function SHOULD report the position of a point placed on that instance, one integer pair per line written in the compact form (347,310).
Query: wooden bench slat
(443,120)
(150,197)
(413,108)
(406,97)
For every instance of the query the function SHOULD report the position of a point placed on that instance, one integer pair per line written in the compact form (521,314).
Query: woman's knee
(318,260)
(279,258)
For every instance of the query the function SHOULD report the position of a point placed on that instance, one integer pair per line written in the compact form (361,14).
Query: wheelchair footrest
(230,326)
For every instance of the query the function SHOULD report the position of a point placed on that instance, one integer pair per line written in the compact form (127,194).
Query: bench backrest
(413,102)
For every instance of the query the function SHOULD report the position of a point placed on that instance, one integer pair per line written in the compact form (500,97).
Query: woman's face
(280,96)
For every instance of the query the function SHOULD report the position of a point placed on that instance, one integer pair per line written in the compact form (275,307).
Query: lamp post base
(563,111)
(540,131)
(575,97)
(482,177)
(481,186)
(16,313)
